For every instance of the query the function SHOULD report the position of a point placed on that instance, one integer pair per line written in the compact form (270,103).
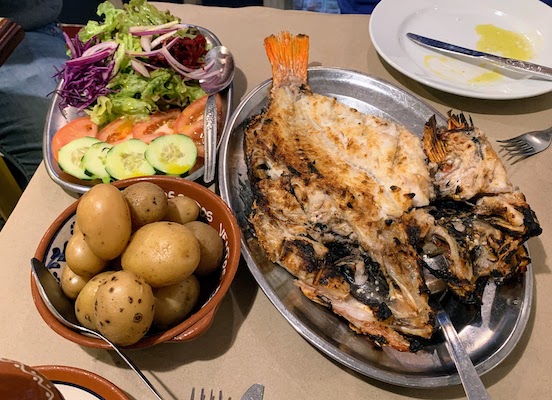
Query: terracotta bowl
(51,250)
(21,382)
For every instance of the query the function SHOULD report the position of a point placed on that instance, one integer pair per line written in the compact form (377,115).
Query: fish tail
(289,55)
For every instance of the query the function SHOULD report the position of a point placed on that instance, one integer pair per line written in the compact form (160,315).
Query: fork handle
(473,386)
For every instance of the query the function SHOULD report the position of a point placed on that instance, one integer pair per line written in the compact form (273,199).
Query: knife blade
(536,70)
(255,392)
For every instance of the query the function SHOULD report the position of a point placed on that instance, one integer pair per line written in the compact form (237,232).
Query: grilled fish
(349,203)
(479,220)
(331,185)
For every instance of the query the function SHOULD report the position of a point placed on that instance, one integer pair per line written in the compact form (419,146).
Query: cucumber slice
(70,156)
(93,161)
(172,154)
(127,160)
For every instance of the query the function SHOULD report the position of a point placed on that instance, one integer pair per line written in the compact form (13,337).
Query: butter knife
(536,70)
(255,392)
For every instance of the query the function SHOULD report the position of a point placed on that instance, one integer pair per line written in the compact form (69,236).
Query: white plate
(455,21)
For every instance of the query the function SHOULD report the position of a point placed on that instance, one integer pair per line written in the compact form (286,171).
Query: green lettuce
(132,93)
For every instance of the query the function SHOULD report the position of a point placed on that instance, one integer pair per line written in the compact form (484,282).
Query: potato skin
(124,307)
(163,253)
(71,283)
(173,303)
(211,247)
(103,216)
(80,257)
(147,203)
(182,209)
(84,305)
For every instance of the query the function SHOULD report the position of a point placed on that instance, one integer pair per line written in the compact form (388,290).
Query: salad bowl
(58,117)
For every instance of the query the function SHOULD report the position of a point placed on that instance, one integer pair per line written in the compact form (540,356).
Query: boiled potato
(71,283)
(84,305)
(211,247)
(81,259)
(76,228)
(103,217)
(124,307)
(163,253)
(173,303)
(147,203)
(182,209)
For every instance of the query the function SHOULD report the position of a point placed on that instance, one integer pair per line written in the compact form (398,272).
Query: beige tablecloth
(250,341)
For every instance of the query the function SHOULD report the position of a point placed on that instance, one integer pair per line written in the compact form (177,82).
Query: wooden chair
(9,190)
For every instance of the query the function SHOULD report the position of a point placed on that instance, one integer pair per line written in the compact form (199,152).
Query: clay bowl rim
(36,380)
(192,326)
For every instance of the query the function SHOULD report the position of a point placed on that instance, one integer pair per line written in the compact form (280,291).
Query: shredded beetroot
(186,50)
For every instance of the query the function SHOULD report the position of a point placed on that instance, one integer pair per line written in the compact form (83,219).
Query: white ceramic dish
(455,22)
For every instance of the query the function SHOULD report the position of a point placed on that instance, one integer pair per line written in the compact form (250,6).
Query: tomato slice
(117,131)
(190,121)
(158,124)
(75,129)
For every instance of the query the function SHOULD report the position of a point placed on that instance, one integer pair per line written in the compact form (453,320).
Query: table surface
(249,340)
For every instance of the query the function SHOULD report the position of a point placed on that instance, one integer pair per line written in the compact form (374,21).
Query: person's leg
(26,79)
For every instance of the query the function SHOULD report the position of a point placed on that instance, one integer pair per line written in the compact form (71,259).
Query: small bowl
(214,211)
(21,382)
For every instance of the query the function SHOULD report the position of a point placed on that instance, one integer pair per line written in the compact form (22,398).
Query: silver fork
(203,395)
(528,144)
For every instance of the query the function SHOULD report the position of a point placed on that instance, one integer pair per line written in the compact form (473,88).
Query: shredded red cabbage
(83,82)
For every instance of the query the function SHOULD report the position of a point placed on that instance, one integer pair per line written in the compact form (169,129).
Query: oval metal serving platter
(489,335)
(56,119)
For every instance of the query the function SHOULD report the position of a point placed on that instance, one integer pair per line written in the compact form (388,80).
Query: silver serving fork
(528,144)
(203,395)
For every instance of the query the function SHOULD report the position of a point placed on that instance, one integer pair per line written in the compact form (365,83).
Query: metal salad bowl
(489,334)
(56,119)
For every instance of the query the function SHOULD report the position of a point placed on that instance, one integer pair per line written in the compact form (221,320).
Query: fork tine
(513,145)
(203,395)
(521,158)
(522,152)
(511,140)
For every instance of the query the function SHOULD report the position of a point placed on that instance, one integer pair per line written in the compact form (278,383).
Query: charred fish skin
(480,224)
(463,163)
(324,216)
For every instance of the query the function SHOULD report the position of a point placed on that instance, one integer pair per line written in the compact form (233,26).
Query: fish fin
(289,55)
(434,147)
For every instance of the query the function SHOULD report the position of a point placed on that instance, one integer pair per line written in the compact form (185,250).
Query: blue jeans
(26,80)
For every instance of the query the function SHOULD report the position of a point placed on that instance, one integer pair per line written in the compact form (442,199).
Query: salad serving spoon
(62,308)
(223,61)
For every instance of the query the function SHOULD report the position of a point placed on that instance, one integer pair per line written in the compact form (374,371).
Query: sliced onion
(140,68)
(90,59)
(149,28)
(145,42)
(143,53)
(156,42)
(70,45)
(108,45)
